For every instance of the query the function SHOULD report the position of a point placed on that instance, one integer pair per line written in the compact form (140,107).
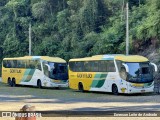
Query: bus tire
(80,87)
(114,89)
(57,88)
(9,82)
(39,84)
(13,82)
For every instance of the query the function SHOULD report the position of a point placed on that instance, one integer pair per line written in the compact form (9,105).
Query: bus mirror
(126,67)
(155,67)
(49,69)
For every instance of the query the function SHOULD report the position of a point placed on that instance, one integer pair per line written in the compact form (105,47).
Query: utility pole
(122,10)
(127,31)
(30,39)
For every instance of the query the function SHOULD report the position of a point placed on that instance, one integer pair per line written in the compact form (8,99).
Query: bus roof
(132,58)
(121,57)
(46,58)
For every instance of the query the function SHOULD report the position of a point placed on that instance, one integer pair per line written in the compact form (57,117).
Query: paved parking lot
(66,99)
(13,98)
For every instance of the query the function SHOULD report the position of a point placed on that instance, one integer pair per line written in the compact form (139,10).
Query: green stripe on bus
(97,76)
(25,75)
(28,75)
(99,80)
(94,83)
(27,72)
(100,83)
(100,76)
(28,78)
(31,71)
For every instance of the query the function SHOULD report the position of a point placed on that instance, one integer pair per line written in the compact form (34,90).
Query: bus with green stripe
(112,73)
(40,71)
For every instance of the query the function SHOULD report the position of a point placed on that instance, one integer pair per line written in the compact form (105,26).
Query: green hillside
(77,28)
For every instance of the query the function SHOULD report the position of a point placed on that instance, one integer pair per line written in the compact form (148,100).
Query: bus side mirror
(46,69)
(155,67)
(49,68)
(126,67)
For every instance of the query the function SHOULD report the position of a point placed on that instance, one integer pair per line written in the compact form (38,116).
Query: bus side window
(20,64)
(111,66)
(8,64)
(5,63)
(32,64)
(27,64)
(82,67)
(23,64)
(119,64)
(86,66)
(72,66)
(103,66)
(14,63)
(91,63)
(79,67)
(38,66)
(11,64)
(95,66)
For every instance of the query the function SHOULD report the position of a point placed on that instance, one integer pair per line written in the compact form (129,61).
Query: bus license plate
(142,91)
(56,81)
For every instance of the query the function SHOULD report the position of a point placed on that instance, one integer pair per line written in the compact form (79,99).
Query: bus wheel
(57,88)
(39,84)
(9,82)
(80,87)
(13,82)
(114,89)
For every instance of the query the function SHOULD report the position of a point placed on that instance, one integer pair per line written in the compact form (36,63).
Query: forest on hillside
(77,28)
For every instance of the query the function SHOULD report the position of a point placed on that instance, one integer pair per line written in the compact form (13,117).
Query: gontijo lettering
(15,71)
(84,75)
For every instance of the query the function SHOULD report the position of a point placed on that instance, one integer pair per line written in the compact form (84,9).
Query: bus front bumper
(59,85)
(140,90)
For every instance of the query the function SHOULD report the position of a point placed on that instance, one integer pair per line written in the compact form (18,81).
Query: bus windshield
(58,71)
(140,72)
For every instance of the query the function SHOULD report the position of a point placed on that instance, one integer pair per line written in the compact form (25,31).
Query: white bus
(40,71)
(112,73)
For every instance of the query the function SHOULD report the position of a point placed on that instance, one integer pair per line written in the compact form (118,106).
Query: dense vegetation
(76,28)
